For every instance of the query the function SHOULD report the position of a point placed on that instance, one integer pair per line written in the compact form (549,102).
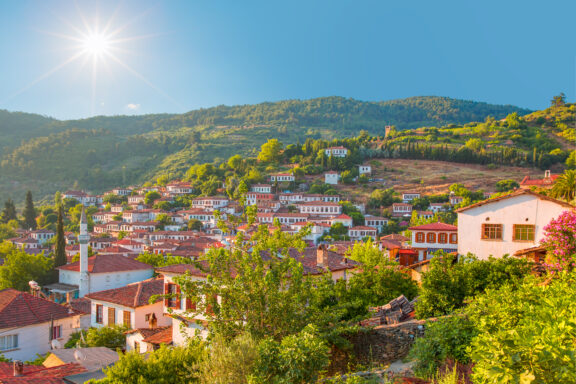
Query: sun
(96,44)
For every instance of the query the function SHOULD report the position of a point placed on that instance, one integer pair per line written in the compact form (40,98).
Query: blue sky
(192,54)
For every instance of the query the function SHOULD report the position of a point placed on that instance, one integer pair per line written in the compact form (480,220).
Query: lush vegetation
(102,152)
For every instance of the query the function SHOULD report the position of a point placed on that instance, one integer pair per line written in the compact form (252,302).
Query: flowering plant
(560,242)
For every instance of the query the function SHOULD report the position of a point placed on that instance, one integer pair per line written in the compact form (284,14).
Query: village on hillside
(140,261)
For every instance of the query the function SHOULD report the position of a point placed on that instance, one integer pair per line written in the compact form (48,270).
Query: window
(419,237)
(492,231)
(111,316)
(126,320)
(453,238)
(431,237)
(523,232)
(56,332)
(8,342)
(442,238)
(99,313)
(137,347)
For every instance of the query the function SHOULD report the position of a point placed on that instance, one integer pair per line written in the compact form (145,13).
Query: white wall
(35,339)
(522,209)
(104,281)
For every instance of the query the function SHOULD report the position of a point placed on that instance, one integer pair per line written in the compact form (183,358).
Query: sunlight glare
(96,44)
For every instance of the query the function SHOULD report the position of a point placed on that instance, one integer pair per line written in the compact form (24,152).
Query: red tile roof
(183,268)
(107,264)
(538,182)
(133,295)
(435,227)
(19,309)
(163,336)
(39,374)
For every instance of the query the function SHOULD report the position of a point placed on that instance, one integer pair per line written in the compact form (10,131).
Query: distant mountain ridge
(45,154)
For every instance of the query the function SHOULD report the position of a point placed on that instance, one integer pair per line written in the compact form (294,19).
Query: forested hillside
(45,155)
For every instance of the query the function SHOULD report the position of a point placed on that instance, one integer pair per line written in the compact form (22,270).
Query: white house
(261,188)
(342,218)
(105,272)
(31,325)
(42,235)
(360,232)
(130,306)
(433,237)
(455,200)
(336,151)
(331,177)
(210,203)
(282,177)
(401,209)
(365,170)
(437,207)
(376,222)
(320,208)
(506,224)
(409,196)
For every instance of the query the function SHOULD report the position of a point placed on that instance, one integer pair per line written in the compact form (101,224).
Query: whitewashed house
(376,222)
(336,151)
(365,169)
(261,188)
(506,224)
(360,232)
(331,177)
(409,196)
(430,238)
(282,177)
(129,306)
(31,325)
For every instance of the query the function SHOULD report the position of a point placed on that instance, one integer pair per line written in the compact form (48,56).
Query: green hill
(45,155)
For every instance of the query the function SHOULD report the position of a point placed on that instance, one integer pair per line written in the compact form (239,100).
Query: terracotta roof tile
(19,309)
(163,336)
(435,227)
(107,264)
(133,295)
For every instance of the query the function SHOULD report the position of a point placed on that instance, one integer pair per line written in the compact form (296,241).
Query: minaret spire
(83,238)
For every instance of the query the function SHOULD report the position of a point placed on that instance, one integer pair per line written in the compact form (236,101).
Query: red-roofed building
(546,182)
(29,324)
(430,238)
(129,305)
(105,272)
(19,373)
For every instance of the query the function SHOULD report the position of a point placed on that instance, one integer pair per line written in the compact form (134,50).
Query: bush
(447,338)
(449,282)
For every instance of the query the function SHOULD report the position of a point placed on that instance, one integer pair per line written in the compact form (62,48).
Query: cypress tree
(60,248)
(29,212)
(9,212)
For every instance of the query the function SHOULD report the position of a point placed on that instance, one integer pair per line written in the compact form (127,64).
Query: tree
(166,365)
(60,247)
(159,260)
(235,163)
(506,185)
(475,144)
(9,212)
(565,186)
(270,152)
(571,160)
(559,101)
(450,281)
(19,268)
(110,337)
(296,359)
(151,197)
(195,225)
(29,212)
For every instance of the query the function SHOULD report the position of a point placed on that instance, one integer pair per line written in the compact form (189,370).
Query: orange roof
(435,227)
(107,264)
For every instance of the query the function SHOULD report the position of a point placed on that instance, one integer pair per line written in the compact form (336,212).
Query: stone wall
(378,346)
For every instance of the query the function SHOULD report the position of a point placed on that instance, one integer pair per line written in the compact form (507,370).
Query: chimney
(321,255)
(18,368)
(547,174)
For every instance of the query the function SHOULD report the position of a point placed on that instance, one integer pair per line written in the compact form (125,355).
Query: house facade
(506,224)
(430,238)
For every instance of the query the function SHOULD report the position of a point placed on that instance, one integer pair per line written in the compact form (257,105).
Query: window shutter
(190,305)
(166,292)
(178,298)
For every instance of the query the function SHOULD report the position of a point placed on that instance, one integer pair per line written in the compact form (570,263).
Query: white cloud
(133,107)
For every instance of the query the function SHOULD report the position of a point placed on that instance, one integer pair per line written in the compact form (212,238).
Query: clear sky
(178,55)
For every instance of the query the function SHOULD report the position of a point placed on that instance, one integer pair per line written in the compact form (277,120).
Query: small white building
(506,224)
(320,208)
(261,188)
(129,306)
(401,210)
(365,170)
(433,237)
(31,325)
(282,177)
(360,232)
(376,222)
(331,177)
(409,196)
(437,207)
(336,151)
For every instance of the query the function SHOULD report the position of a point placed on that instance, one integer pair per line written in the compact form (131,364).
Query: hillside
(45,155)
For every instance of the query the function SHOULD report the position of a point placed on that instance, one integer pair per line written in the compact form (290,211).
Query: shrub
(447,338)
